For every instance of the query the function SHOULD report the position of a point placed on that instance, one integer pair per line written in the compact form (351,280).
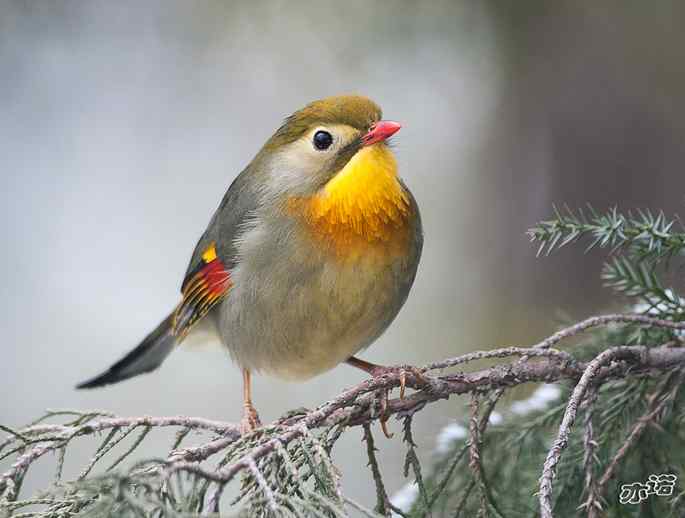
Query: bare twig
(591,503)
(478,423)
(589,375)
(498,353)
(603,320)
(567,332)
(474,456)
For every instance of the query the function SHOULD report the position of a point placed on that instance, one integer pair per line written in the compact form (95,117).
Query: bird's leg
(379,370)
(250,420)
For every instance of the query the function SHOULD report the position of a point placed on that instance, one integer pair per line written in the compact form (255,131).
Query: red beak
(380,131)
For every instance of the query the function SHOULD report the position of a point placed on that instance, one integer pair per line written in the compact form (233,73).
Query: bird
(308,258)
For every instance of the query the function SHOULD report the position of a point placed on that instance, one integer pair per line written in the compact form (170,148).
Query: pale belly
(299,325)
(294,312)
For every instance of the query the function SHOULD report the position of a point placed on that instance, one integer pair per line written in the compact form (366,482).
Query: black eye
(322,140)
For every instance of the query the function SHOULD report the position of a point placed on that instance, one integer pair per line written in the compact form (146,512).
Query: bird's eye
(322,140)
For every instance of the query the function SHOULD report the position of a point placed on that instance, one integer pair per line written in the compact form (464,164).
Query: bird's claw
(384,426)
(384,416)
(402,371)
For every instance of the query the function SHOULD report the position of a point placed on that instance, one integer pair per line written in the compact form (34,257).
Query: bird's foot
(380,370)
(250,420)
(403,370)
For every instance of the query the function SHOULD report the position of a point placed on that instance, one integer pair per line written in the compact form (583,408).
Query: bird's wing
(208,278)
(203,288)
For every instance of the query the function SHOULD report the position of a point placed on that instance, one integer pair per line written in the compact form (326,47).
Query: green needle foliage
(643,249)
(643,235)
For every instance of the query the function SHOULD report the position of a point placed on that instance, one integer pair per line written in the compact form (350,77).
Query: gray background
(122,124)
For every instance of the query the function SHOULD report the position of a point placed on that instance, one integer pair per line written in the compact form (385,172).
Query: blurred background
(122,124)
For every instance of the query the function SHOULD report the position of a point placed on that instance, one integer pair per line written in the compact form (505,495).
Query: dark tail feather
(146,357)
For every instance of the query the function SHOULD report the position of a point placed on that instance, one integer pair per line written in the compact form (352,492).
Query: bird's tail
(147,356)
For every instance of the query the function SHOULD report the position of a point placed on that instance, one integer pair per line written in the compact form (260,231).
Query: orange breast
(363,209)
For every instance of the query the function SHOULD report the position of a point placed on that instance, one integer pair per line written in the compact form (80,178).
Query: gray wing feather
(236,206)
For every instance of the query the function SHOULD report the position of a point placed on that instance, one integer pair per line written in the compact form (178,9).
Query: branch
(590,373)
(590,445)
(657,402)
(356,406)
(383,505)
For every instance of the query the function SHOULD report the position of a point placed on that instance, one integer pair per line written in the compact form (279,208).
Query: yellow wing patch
(210,254)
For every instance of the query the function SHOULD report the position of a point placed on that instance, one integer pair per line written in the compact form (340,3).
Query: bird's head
(324,141)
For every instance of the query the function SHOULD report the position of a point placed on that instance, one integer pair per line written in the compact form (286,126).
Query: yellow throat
(363,206)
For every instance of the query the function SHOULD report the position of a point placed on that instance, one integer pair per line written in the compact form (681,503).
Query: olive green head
(356,111)
(315,143)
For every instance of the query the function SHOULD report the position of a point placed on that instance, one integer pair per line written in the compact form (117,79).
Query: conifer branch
(591,503)
(474,457)
(661,396)
(286,468)
(649,235)
(383,505)
(590,374)
(353,407)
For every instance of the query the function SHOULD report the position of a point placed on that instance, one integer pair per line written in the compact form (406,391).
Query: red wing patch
(202,289)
